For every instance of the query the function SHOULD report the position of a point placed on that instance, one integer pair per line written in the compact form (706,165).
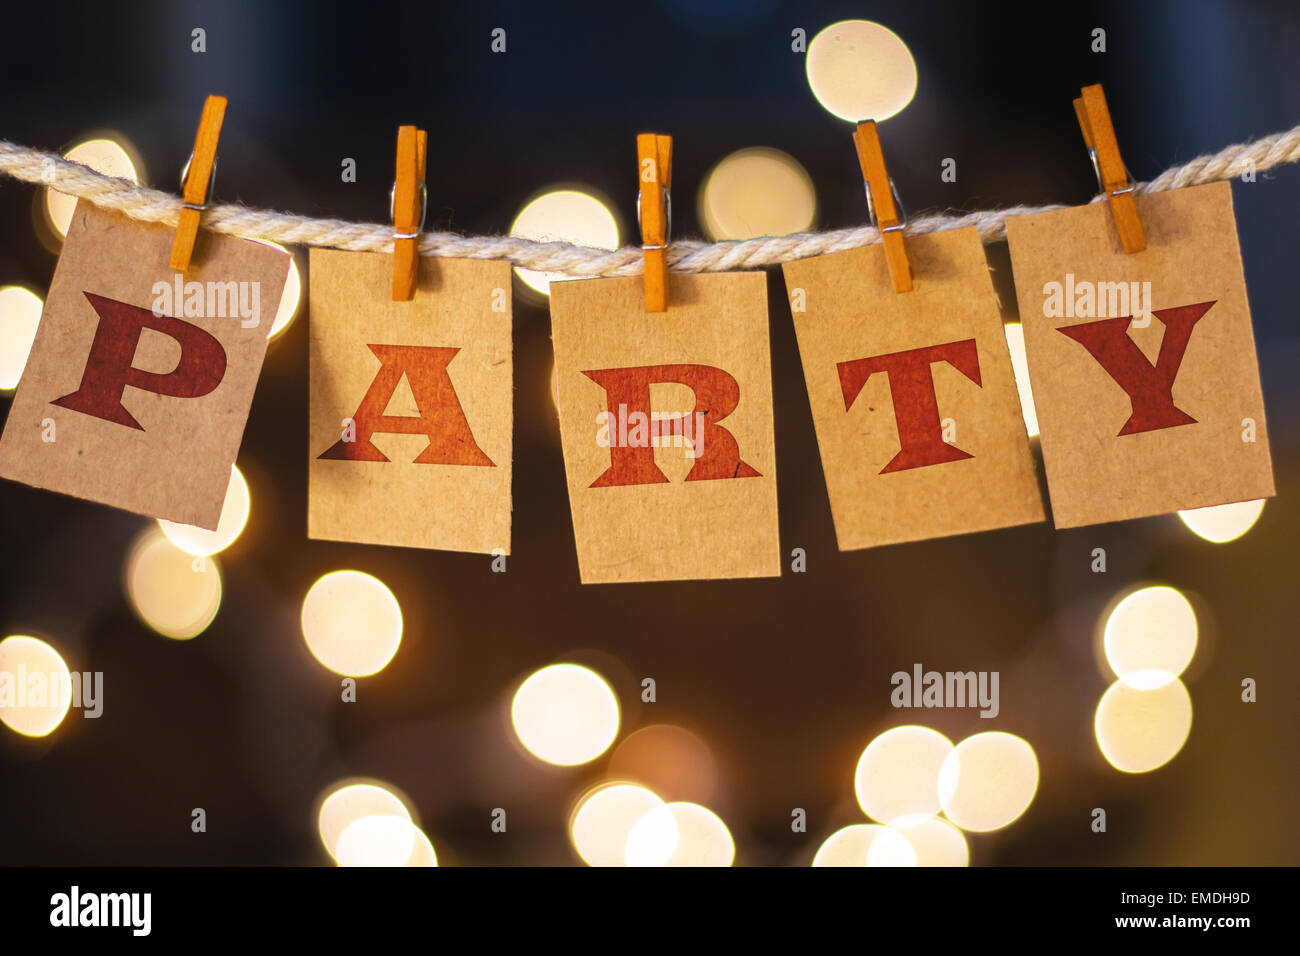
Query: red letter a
(109,371)
(716,396)
(441,418)
(916,409)
(1149,387)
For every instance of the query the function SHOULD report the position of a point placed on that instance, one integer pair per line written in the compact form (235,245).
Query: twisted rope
(152,205)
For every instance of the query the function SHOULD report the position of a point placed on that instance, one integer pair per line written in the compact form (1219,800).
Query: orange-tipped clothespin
(1112,174)
(408,203)
(883,204)
(654,209)
(196,181)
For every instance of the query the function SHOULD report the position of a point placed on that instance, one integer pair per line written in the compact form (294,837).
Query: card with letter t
(912,393)
(139,382)
(666,425)
(1142,365)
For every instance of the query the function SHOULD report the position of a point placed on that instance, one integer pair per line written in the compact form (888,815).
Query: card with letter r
(140,379)
(1142,365)
(666,426)
(411,404)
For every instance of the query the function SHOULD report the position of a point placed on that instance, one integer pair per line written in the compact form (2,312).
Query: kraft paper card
(912,393)
(666,426)
(411,404)
(1142,366)
(140,379)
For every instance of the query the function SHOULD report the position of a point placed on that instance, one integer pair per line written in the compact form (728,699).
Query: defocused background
(772,696)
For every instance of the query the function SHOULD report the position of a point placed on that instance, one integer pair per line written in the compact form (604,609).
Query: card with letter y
(1142,364)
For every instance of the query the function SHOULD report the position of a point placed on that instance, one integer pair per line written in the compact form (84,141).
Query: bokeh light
(174,592)
(291,298)
(422,854)
(376,841)
(107,156)
(757,192)
(1150,637)
(234,515)
(898,773)
(347,802)
(20,314)
(669,759)
(865,844)
(860,70)
(384,840)
(603,819)
(1223,523)
(1140,730)
(1015,333)
(680,834)
(352,623)
(988,781)
(565,714)
(38,686)
(934,841)
(564,215)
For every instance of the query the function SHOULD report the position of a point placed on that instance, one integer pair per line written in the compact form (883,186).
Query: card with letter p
(140,379)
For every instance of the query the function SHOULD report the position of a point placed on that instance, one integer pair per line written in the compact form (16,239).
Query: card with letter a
(411,404)
(1142,365)
(139,381)
(912,393)
(666,426)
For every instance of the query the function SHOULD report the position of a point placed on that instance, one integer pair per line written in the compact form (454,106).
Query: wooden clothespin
(408,203)
(196,181)
(654,209)
(883,204)
(1112,174)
